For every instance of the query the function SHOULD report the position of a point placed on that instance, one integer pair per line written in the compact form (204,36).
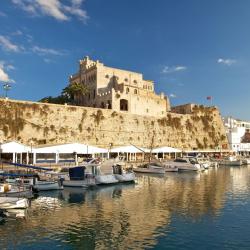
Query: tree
(75,89)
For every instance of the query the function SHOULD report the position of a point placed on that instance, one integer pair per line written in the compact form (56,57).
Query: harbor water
(207,210)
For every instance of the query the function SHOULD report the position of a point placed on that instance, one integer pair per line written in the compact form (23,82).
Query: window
(109,104)
(135,92)
(127,90)
(123,105)
(135,81)
(107,76)
(126,79)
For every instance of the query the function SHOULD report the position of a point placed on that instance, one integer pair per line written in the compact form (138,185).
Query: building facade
(238,133)
(119,90)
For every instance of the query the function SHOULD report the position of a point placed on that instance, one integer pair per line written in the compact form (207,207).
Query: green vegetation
(68,94)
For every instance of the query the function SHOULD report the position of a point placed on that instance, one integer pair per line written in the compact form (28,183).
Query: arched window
(124,105)
(135,92)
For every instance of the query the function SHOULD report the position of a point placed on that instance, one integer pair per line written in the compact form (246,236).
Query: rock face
(50,124)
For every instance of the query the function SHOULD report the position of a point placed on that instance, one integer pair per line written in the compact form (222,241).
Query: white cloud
(173,95)
(53,8)
(4,77)
(46,51)
(173,69)
(2,14)
(227,62)
(7,45)
(47,60)
(17,33)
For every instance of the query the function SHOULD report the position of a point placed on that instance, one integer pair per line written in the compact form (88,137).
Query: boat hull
(127,177)
(105,179)
(23,194)
(149,171)
(47,186)
(231,163)
(13,203)
(79,183)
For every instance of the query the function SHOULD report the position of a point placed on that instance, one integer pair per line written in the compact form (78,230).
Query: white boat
(104,172)
(246,161)
(231,161)
(47,185)
(185,164)
(13,203)
(204,162)
(121,174)
(105,179)
(151,168)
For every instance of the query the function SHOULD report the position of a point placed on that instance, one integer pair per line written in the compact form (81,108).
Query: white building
(238,133)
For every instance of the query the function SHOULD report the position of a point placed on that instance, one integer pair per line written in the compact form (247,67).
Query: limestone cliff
(50,124)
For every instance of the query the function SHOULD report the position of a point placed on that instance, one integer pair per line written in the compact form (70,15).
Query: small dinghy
(13,203)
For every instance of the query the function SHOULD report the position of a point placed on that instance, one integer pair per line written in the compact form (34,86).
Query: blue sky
(190,48)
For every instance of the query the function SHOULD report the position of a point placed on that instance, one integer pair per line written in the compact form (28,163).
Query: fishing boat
(151,168)
(185,164)
(13,203)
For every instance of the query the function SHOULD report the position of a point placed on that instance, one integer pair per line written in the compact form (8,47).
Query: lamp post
(6,87)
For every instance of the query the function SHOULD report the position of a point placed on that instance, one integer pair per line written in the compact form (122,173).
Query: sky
(191,49)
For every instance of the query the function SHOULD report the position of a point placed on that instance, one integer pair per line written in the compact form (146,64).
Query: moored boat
(7,190)
(151,168)
(185,164)
(78,178)
(231,161)
(122,175)
(47,185)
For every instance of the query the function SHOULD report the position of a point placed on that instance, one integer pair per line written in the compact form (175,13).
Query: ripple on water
(177,211)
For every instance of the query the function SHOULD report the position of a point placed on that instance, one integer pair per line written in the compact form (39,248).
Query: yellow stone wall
(50,123)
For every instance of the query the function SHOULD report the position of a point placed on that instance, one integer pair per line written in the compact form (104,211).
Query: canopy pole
(34,158)
(13,157)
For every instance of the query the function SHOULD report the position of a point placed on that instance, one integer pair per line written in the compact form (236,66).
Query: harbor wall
(40,123)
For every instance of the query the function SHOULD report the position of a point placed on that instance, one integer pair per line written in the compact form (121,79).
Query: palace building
(119,90)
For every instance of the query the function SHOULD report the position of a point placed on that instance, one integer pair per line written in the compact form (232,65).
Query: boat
(121,175)
(204,162)
(119,171)
(79,178)
(13,203)
(185,164)
(151,168)
(7,190)
(231,161)
(246,161)
(103,172)
(46,185)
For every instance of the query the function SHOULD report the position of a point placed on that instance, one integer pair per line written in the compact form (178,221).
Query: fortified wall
(40,123)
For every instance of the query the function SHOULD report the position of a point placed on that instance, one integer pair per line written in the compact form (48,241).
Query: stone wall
(50,124)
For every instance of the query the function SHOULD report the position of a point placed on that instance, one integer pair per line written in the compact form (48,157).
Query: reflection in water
(133,216)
